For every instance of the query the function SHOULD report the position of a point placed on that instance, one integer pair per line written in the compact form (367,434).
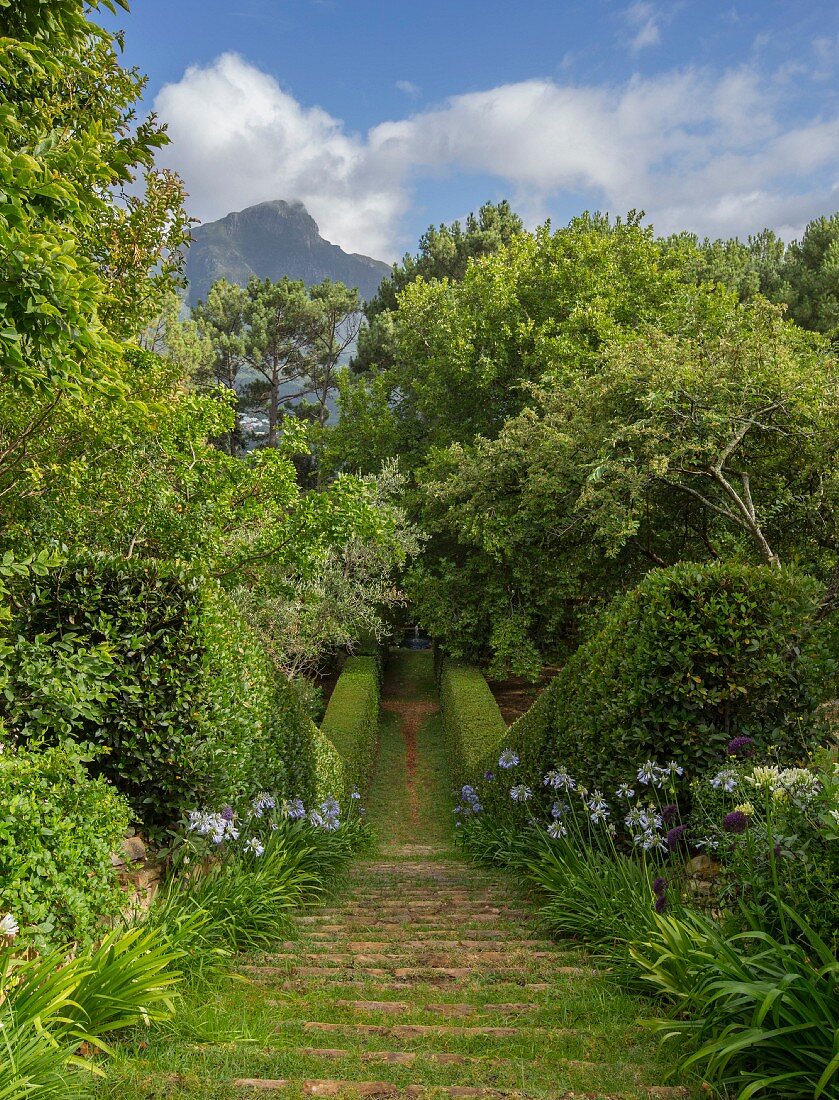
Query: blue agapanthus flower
(508,759)
(520,793)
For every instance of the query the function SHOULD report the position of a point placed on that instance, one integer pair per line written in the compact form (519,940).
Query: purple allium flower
(227,813)
(741,746)
(676,836)
(489,776)
(659,885)
(660,903)
(669,812)
(735,822)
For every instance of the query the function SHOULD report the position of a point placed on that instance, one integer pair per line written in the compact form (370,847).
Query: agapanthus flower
(634,817)
(508,759)
(295,809)
(330,807)
(625,791)
(314,818)
(262,803)
(765,775)
(520,793)
(558,809)
(559,780)
(556,830)
(355,793)
(735,822)
(652,842)
(725,780)
(741,746)
(675,837)
(489,776)
(9,927)
(253,845)
(746,808)
(598,808)
(675,769)
(648,772)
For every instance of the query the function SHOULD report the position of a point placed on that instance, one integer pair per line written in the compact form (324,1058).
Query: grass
(581,1034)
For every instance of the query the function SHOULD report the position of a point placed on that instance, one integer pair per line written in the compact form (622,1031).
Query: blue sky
(383,117)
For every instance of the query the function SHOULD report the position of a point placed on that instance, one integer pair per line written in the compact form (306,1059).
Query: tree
(444,253)
(465,353)
(811,272)
(714,440)
(82,271)
(337,320)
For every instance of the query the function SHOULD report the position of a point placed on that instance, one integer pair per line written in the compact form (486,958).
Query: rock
(133,849)
(702,867)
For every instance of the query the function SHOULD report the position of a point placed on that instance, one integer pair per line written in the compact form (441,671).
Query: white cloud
(696,150)
(409,88)
(644,18)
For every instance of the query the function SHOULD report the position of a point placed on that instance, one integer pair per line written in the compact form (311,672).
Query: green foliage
(762,1012)
(474,728)
(50,1004)
(58,831)
(695,655)
(330,780)
(192,711)
(351,721)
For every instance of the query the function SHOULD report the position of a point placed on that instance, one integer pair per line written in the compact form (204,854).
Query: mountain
(270,240)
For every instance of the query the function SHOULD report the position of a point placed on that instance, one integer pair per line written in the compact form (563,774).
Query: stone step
(440,1009)
(398,917)
(301,985)
(423,1031)
(394,958)
(365,1088)
(336,934)
(378,946)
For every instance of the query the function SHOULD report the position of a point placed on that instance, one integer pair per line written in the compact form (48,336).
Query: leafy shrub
(692,657)
(351,722)
(50,1004)
(472,722)
(762,1012)
(188,708)
(57,832)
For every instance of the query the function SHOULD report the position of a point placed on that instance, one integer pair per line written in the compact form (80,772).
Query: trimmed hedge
(692,657)
(330,781)
(351,722)
(473,726)
(190,712)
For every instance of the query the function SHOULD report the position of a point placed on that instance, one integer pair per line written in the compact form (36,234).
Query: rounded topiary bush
(692,657)
(182,704)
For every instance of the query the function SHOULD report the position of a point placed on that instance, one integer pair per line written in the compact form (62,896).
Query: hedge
(473,726)
(693,657)
(351,722)
(185,703)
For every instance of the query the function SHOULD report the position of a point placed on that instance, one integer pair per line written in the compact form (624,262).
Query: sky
(383,118)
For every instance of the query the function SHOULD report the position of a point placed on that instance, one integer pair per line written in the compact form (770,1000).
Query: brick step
(366,1088)
(432,920)
(491,935)
(410,985)
(411,973)
(488,946)
(441,1008)
(484,1061)
(423,1031)
(391,958)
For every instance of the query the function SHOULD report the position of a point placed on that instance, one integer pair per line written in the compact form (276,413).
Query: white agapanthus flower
(9,927)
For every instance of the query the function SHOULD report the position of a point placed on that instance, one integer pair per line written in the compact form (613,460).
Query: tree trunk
(274,407)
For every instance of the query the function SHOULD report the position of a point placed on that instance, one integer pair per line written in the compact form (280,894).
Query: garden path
(430,978)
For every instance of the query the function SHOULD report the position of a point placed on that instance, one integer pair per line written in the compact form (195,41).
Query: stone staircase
(430,981)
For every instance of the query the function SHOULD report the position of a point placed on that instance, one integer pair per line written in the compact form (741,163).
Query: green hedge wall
(351,722)
(692,657)
(190,711)
(472,723)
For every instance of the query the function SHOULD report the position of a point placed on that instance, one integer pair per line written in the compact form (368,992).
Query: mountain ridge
(270,240)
